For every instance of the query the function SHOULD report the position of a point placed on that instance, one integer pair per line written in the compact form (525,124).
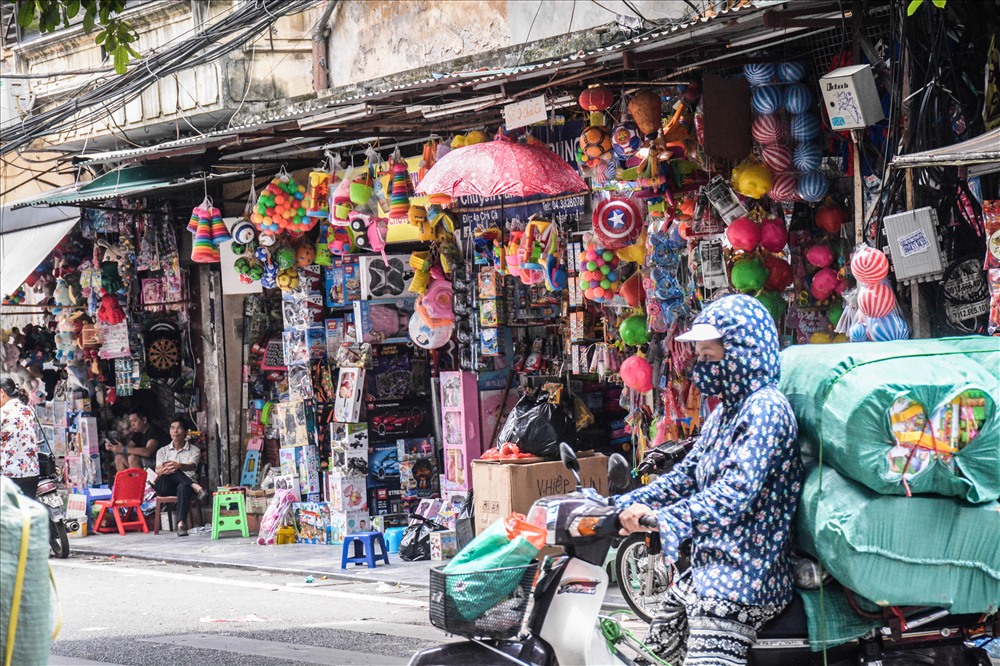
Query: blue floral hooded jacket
(735,494)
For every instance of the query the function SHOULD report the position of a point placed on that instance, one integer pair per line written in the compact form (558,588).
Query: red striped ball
(876,300)
(784,188)
(778,158)
(767,130)
(868,265)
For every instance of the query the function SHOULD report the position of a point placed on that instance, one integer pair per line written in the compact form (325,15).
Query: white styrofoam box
(913,245)
(851,98)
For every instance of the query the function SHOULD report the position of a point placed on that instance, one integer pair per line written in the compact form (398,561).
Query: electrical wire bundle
(214,42)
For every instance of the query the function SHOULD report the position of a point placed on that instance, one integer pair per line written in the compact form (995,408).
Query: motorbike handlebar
(652,522)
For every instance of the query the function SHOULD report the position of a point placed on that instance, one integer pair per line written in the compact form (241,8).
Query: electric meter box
(851,98)
(913,245)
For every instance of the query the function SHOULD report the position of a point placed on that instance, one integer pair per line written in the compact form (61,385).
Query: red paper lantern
(744,234)
(596,99)
(820,256)
(824,283)
(830,217)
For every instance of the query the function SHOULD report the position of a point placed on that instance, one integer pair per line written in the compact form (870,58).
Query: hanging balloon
(824,284)
(646,108)
(798,98)
(751,178)
(767,129)
(805,126)
(637,374)
(779,273)
(820,256)
(807,157)
(766,99)
(784,188)
(625,139)
(595,142)
(748,275)
(428,336)
(759,73)
(889,327)
(868,265)
(835,313)
(773,234)
(791,72)
(633,330)
(743,234)
(876,300)
(858,332)
(777,158)
(774,303)
(617,222)
(813,186)
(831,218)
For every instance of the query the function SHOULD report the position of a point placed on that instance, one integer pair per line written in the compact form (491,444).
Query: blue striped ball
(813,186)
(889,327)
(791,72)
(805,126)
(798,98)
(858,333)
(807,157)
(766,99)
(759,74)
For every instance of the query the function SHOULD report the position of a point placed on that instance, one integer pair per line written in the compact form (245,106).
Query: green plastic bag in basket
(471,596)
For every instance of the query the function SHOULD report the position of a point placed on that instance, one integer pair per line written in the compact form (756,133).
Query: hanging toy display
(646,108)
(751,178)
(317,199)
(399,197)
(633,331)
(617,222)
(637,374)
(280,207)
(598,273)
(209,232)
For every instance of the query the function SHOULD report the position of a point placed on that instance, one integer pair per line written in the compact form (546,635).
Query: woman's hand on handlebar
(637,518)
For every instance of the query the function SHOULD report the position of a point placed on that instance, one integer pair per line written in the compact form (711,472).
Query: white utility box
(913,245)
(851,98)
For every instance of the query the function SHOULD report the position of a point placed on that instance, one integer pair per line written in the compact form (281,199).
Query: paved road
(147,613)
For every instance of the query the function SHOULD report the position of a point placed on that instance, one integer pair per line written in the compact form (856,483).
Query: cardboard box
(443,545)
(347,493)
(343,523)
(503,488)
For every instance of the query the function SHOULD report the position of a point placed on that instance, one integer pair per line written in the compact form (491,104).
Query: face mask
(707,376)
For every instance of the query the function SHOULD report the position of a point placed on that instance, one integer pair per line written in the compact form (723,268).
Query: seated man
(146,439)
(175,469)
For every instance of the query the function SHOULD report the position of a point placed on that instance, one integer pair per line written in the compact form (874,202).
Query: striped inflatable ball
(766,99)
(767,129)
(759,74)
(858,333)
(805,126)
(807,157)
(812,186)
(777,158)
(791,72)
(868,265)
(784,188)
(625,139)
(798,98)
(889,327)
(876,300)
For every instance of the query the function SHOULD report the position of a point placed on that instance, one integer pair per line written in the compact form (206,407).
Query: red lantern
(773,234)
(596,99)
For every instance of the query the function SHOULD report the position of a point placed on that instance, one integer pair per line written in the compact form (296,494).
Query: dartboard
(164,354)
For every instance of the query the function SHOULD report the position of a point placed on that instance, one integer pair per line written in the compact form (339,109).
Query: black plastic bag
(416,542)
(465,523)
(537,426)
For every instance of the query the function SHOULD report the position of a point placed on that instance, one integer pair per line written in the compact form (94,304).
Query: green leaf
(72,8)
(939,3)
(121,61)
(105,14)
(101,36)
(913,7)
(88,22)
(132,52)
(26,14)
(111,44)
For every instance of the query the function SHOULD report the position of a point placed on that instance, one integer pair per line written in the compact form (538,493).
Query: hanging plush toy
(110,312)
(111,279)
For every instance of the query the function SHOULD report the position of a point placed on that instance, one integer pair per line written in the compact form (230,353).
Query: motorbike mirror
(619,474)
(568,456)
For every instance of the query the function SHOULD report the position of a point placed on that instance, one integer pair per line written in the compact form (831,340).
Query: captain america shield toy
(617,222)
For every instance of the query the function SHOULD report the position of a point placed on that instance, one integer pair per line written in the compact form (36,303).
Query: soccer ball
(595,142)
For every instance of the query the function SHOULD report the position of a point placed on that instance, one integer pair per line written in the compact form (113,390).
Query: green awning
(134,181)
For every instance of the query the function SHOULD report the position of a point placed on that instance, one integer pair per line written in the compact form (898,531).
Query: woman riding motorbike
(734,495)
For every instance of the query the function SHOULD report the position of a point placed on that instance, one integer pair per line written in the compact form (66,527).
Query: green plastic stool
(224,499)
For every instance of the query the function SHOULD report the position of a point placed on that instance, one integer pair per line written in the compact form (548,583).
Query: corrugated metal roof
(133,180)
(983,149)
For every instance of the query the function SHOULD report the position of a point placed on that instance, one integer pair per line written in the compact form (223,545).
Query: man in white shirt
(175,470)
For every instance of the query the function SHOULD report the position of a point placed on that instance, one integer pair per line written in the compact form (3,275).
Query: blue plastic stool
(393,536)
(364,549)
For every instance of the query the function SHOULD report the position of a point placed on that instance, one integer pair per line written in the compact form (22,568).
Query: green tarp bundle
(902,551)
(33,635)
(842,396)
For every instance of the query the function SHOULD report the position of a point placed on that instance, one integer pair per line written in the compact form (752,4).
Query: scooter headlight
(584,527)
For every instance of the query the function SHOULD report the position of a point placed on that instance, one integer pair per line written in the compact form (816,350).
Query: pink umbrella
(496,168)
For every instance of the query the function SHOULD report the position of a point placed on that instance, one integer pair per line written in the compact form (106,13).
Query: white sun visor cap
(700,332)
